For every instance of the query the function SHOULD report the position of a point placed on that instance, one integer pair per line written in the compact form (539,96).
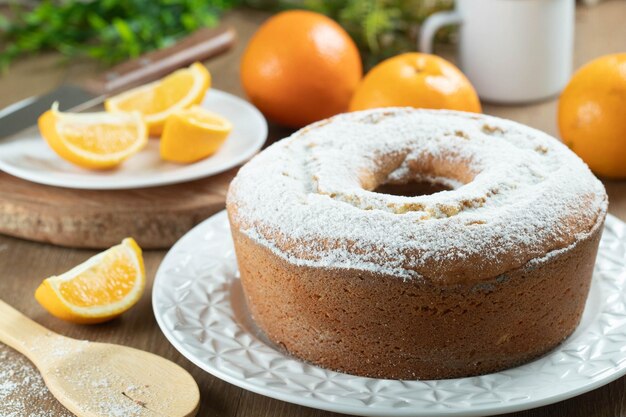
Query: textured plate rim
(470,411)
(41,178)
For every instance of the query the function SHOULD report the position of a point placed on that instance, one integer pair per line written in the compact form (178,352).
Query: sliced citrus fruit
(192,134)
(99,289)
(156,101)
(93,140)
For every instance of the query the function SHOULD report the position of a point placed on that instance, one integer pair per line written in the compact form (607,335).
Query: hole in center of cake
(417,174)
(413,188)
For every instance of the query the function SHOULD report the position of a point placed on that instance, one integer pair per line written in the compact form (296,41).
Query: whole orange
(592,115)
(416,80)
(300,67)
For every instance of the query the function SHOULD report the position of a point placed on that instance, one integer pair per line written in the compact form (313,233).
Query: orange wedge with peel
(98,290)
(93,140)
(158,100)
(193,134)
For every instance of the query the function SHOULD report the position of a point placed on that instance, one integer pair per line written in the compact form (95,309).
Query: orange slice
(100,289)
(193,134)
(93,140)
(157,100)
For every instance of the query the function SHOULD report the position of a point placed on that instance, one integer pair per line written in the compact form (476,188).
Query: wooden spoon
(99,379)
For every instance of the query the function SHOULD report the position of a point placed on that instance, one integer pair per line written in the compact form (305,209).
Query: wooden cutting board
(156,217)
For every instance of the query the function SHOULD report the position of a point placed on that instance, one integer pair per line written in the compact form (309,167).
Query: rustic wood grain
(156,217)
(23,264)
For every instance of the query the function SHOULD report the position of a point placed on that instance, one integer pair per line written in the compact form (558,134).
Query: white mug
(512,51)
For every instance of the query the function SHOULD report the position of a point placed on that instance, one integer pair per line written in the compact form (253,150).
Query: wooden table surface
(23,264)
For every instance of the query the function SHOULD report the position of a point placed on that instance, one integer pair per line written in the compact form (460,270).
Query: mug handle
(432,24)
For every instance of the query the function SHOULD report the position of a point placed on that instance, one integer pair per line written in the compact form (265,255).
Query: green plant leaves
(113,30)
(107,30)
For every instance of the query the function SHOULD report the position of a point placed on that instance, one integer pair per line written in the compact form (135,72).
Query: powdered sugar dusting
(80,367)
(518,194)
(22,390)
(81,364)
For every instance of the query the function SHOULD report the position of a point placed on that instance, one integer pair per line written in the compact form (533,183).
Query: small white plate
(30,158)
(200,307)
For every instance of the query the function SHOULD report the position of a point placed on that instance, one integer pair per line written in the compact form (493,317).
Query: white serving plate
(30,158)
(200,307)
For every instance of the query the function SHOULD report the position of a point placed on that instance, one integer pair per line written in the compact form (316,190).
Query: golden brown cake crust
(377,325)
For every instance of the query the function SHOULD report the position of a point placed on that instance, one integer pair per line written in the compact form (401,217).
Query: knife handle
(199,46)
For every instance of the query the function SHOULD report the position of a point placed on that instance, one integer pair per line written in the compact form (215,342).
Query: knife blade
(199,46)
(18,116)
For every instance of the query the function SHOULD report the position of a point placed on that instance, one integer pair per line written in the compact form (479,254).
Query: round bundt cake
(345,265)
